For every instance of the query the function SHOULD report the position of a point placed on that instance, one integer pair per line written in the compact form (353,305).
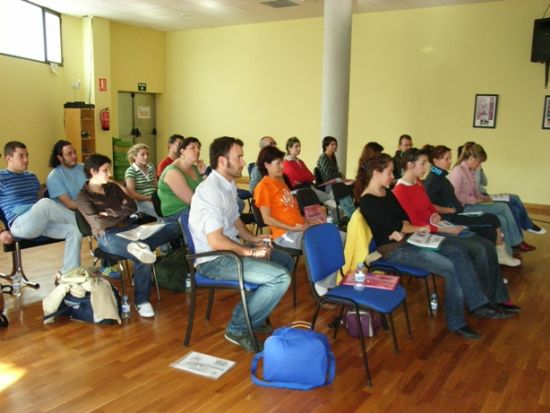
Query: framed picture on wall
(546,113)
(485,111)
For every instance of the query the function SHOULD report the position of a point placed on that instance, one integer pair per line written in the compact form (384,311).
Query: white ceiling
(172,15)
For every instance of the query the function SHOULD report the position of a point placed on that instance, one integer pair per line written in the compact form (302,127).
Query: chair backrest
(306,197)
(82,224)
(258,216)
(183,220)
(318,176)
(323,250)
(156,204)
(4,220)
(250,167)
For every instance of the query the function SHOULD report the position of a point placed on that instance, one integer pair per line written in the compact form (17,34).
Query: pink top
(297,172)
(463,181)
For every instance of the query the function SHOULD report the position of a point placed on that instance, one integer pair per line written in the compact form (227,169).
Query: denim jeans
(51,219)
(512,235)
(113,244)
(272,277)
(483,256)
(452,263)
(520,213)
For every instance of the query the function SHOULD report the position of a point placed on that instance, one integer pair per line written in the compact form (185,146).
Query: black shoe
(508,308)
(490,311)
(263,328)
(243,340)
(467,332)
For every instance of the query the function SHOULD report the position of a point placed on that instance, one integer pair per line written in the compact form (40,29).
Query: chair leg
(384,321)
(293,280)
(156,282)
(315,314)
(392,328)
(191,318)
(13,268)
(248,322)
(210,303)
(339,321)
(406,310)
(434,285)
(20,271)
(363,346)
(430,311)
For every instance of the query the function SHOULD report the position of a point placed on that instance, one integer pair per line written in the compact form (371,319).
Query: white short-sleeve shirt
(213,206)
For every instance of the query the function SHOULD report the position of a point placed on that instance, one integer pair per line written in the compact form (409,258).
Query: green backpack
(172,270)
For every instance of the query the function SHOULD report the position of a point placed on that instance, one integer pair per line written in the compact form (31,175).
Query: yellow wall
(137,55)
(413,71)
(32,98)
(245,81)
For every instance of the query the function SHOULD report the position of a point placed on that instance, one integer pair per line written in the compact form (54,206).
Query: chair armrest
(240,273)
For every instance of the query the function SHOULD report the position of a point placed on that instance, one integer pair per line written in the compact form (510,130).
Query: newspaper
(501,197)
(203,365)
(140,233)
(471,214)
(425,240)
(442,224)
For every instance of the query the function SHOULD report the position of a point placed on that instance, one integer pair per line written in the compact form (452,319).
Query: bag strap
(287,385)
(56,313)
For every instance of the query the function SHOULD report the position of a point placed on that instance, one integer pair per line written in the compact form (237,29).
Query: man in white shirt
(215,225)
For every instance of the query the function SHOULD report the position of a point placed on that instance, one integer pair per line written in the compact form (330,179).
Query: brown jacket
(105,211)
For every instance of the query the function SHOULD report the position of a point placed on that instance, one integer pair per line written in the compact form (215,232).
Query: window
(30,31)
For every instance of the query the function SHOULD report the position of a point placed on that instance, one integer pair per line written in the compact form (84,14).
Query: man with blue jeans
(108,210)
(30,216)
(215,225)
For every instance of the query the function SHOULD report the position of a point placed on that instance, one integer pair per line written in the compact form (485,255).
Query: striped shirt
(18,193)
(145,182)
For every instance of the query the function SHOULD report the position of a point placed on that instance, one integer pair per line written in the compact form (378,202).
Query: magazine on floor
(203,365)
(380,281)
(431,241)
(140,233)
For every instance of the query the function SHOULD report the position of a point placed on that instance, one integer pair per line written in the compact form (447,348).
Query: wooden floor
(75,367)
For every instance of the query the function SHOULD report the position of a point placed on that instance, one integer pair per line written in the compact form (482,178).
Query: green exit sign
(142,87)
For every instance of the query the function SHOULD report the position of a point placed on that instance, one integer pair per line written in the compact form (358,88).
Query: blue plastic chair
(324,254)
(200,281)
(15,250)
(402,269)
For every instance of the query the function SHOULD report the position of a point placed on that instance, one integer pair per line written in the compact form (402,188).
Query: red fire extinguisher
(104,117)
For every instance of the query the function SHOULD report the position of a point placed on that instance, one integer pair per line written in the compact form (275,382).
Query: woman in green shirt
(179,180)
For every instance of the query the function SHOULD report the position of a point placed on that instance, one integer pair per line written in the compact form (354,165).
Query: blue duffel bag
(295,359)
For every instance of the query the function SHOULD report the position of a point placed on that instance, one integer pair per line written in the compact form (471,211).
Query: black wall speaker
(541,41)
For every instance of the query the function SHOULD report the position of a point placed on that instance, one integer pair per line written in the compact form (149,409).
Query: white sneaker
(506,259)
(145,309)
(142,252)
(537,230)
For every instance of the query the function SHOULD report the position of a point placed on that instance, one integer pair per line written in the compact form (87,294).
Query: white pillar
(336,67)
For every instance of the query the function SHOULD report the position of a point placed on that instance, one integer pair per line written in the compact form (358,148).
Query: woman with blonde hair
(141,179)
(463,180)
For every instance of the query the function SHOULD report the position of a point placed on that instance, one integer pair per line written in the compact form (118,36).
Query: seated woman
(108,209)
(296,171)
(389,225)
(482,253)
(277,205)
(327,164)
(442,195)
(462,179)
(141,179)
(515,203)
(179,180)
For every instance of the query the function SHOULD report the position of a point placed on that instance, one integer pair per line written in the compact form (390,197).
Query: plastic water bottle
(16,283)
(434,303)
(188,283)
(359,278)
(125,307)
(330,220)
